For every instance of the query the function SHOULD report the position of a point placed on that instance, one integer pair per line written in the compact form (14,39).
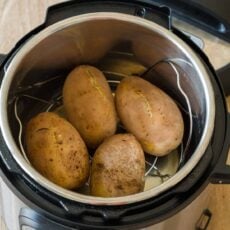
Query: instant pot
(122,38)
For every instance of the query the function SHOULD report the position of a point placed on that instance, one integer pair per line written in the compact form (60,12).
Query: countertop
(18,18)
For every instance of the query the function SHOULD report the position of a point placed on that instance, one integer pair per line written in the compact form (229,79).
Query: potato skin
(118,167)
(57,151)
(150,115)
(89,104)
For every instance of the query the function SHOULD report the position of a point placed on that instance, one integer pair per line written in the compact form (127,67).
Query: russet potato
(118,167)
(56,150)
(150,115)
(89,104)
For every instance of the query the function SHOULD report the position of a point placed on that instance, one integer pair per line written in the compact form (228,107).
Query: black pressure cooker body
(48,210)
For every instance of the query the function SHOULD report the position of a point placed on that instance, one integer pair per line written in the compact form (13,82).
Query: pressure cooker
(120,38)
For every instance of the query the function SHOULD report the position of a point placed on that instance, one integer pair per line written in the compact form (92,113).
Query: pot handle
(223,75)
(145,9)
(2,58)
(221,172)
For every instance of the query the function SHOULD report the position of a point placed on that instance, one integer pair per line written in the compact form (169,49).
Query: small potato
(56,150)
(118,167)
(89,104)
(150,115)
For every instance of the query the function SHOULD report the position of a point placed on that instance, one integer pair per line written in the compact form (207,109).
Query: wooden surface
(17,17)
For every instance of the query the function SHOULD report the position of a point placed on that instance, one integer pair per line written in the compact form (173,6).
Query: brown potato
(118,167)
(57,151)
(150,115)
(89,104)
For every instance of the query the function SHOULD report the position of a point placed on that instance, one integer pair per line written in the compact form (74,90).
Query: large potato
(150,114)
(118,167)
(89,104)
(56,150)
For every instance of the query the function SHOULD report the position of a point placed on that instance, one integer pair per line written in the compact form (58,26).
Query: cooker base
(18,216)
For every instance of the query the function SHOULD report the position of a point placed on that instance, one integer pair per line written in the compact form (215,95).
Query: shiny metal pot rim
(151,26)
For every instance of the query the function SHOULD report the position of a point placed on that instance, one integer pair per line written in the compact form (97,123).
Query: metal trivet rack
(152,162)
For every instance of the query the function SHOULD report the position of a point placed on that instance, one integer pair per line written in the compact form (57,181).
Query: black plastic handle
(34,220)
(142,8)
(221,174)
(224,77)
(2,58)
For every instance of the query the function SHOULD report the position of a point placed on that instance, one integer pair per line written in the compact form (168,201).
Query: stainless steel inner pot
(120,45)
